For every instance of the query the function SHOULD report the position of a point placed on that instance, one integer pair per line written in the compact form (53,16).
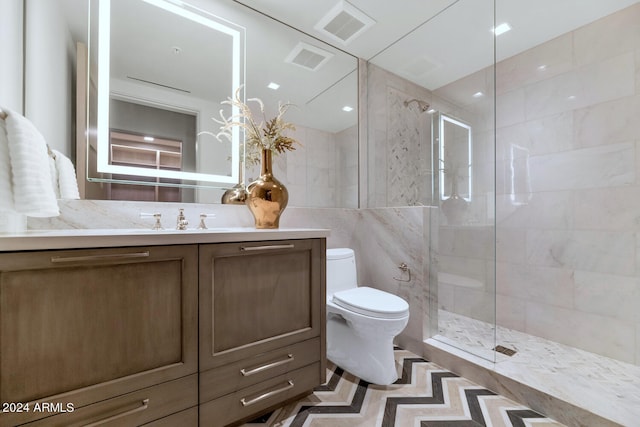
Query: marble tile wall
(398,142)
(466,267)
(567,251)
(321,171)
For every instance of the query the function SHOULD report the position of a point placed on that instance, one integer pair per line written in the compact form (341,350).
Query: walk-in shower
(538,270)
(539,274)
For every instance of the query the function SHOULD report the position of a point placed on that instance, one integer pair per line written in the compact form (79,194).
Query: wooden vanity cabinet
(209,334)
(112,332)
(262,322)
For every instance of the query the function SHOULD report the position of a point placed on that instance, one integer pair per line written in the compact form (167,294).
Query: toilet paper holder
(405,269)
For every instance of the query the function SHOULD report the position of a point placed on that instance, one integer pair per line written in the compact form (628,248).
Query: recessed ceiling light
(273,86)
(478,94)
(501,29)
(542,67)
(347,108)
(571,97)
(149,138)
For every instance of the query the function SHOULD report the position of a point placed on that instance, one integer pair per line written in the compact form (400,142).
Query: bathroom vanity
(161,328)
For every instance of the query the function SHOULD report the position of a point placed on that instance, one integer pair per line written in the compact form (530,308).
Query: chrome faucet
(157,216)
(182,221)
(204,216)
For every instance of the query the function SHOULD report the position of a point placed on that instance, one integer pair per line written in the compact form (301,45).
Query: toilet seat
(372,302)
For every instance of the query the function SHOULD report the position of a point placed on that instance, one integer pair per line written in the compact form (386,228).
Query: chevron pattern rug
(425,396)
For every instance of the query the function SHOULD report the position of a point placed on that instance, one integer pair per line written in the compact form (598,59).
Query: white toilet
(361,322)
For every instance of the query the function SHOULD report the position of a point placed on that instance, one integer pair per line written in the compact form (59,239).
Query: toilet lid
(339,253)
(372,302)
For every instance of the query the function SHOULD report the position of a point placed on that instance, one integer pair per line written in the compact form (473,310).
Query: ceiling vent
(344,22)
(309,57)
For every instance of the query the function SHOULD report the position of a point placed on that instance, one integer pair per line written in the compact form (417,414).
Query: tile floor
(425,396)
(607,387)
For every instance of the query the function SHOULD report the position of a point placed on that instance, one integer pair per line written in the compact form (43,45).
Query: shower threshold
(573,386)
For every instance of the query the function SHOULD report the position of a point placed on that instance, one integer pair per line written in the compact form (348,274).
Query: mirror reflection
(455,158)
(150,64)
(147,97)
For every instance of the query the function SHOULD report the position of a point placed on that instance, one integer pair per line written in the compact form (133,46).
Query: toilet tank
(341,270)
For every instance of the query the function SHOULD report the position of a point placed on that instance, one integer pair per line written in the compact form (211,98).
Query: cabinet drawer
(252,400)
(227,379)
(186,418)
(132,409)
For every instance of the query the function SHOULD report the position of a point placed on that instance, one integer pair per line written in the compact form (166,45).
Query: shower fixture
(424,106)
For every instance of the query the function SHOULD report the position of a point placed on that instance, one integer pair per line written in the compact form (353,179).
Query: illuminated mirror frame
(444,118)
(199,16)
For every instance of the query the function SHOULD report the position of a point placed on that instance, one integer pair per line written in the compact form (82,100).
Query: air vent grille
(344,22)
(306,56)
(344,26)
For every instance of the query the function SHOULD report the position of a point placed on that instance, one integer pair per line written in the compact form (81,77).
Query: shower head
(422,105)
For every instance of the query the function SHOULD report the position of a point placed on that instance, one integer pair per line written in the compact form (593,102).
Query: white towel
(6,192)
(66,177)
(33,191)
(53,173)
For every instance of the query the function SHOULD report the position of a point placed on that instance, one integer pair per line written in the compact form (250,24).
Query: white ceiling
(435,42)
(431,43)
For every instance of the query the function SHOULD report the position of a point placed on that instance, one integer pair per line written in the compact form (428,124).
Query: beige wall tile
(594,83)
(598,334)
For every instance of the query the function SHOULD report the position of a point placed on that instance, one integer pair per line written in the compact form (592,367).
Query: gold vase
(236,195)
(267,197)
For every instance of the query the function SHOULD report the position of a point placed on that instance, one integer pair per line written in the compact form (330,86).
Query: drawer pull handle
(145,405)
(266,247)
(99,257)
(259,369)
(267,394)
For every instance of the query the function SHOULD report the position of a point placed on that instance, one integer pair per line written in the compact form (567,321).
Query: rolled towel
(33,190)
(66,177)
(53,172)
(6,191)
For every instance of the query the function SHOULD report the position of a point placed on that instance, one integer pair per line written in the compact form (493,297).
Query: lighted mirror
(162,85)
(454,158)
(161,69)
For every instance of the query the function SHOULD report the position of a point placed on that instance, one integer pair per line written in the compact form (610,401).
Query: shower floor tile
(605,386)
(425,396)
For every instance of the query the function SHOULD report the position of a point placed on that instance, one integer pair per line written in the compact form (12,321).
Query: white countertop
(102,238)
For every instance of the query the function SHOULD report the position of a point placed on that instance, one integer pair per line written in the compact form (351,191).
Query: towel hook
(405,269)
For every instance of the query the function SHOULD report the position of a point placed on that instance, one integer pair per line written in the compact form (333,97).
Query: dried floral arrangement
(263,135)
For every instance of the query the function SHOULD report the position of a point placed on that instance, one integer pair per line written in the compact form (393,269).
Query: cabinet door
(259,296)
(81,326)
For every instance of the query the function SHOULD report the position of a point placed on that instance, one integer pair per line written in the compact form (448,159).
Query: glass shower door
(463,229)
